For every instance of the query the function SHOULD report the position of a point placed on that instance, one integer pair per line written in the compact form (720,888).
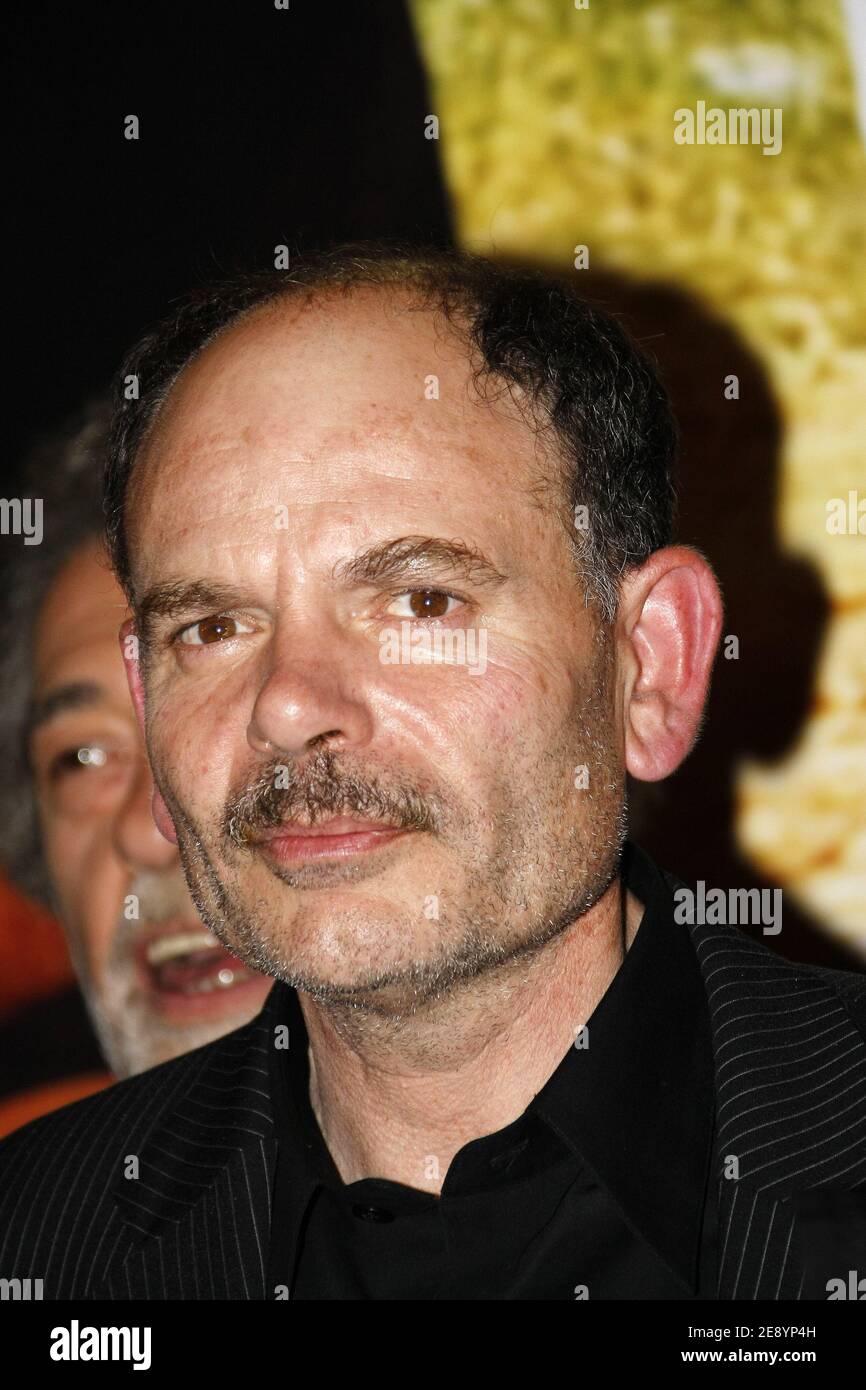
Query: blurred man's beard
(132,1037)
(543,867)
(131,1034)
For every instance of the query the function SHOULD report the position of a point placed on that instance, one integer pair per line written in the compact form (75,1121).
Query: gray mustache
(321,790)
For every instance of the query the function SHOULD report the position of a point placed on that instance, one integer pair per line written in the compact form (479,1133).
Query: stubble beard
(525,895)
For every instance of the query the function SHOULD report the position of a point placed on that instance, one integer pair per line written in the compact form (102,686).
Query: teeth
(224,980)
(182,944)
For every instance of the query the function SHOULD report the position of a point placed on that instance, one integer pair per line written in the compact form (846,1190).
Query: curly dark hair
(589,387)
(65,470)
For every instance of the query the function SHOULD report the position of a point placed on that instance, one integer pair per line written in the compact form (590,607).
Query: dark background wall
(257,127)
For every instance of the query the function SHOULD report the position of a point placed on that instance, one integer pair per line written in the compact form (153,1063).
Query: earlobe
(673,640)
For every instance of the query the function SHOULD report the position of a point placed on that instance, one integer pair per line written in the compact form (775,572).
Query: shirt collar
(636,1105)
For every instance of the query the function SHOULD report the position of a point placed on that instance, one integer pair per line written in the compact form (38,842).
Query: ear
(129,650)
(670,622)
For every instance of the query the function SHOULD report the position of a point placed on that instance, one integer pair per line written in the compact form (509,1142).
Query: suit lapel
(790,1070)
(195,1222)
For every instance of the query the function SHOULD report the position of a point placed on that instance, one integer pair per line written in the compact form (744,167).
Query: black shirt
(600,1189)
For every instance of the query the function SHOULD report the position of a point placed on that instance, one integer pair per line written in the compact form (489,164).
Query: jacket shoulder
(850,988)
(138,1102)
(65,1193)
(58,1173)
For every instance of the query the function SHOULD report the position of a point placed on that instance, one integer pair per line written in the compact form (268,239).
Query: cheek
(515,697)
(99,924)
(191,744)
(89,883)
(513,711)
(520,723)
(67,844)
(499,729)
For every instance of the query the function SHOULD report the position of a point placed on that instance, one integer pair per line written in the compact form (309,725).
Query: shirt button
(371,1213)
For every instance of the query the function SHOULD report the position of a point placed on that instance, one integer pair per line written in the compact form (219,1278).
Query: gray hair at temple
(64,469)
(587,387)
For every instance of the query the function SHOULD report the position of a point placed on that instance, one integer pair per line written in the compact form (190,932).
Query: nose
(136,838)
(310,694)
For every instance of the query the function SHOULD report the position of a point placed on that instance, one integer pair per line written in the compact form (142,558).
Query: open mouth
(191,963)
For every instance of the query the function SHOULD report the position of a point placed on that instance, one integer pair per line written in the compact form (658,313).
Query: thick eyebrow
(401,559)
(177,597)
(411,557)
(75,695)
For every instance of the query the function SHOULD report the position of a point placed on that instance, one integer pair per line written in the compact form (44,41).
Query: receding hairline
(404,296)
(298,300)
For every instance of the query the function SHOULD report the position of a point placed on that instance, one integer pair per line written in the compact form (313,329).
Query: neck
(400,1101)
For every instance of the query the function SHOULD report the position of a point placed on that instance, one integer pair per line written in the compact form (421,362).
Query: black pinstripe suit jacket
(790,1074)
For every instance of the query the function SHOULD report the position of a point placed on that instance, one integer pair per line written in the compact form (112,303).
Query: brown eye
(429,603)
(216,629)
(209,632)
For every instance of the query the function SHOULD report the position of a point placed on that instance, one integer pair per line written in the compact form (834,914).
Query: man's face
(291,455)
(157,983)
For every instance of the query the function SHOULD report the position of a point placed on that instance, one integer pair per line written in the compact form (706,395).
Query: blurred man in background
(77,830)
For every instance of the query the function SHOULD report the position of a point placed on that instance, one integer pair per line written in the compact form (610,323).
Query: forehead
(80,616)
(374,350)
(317,400)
